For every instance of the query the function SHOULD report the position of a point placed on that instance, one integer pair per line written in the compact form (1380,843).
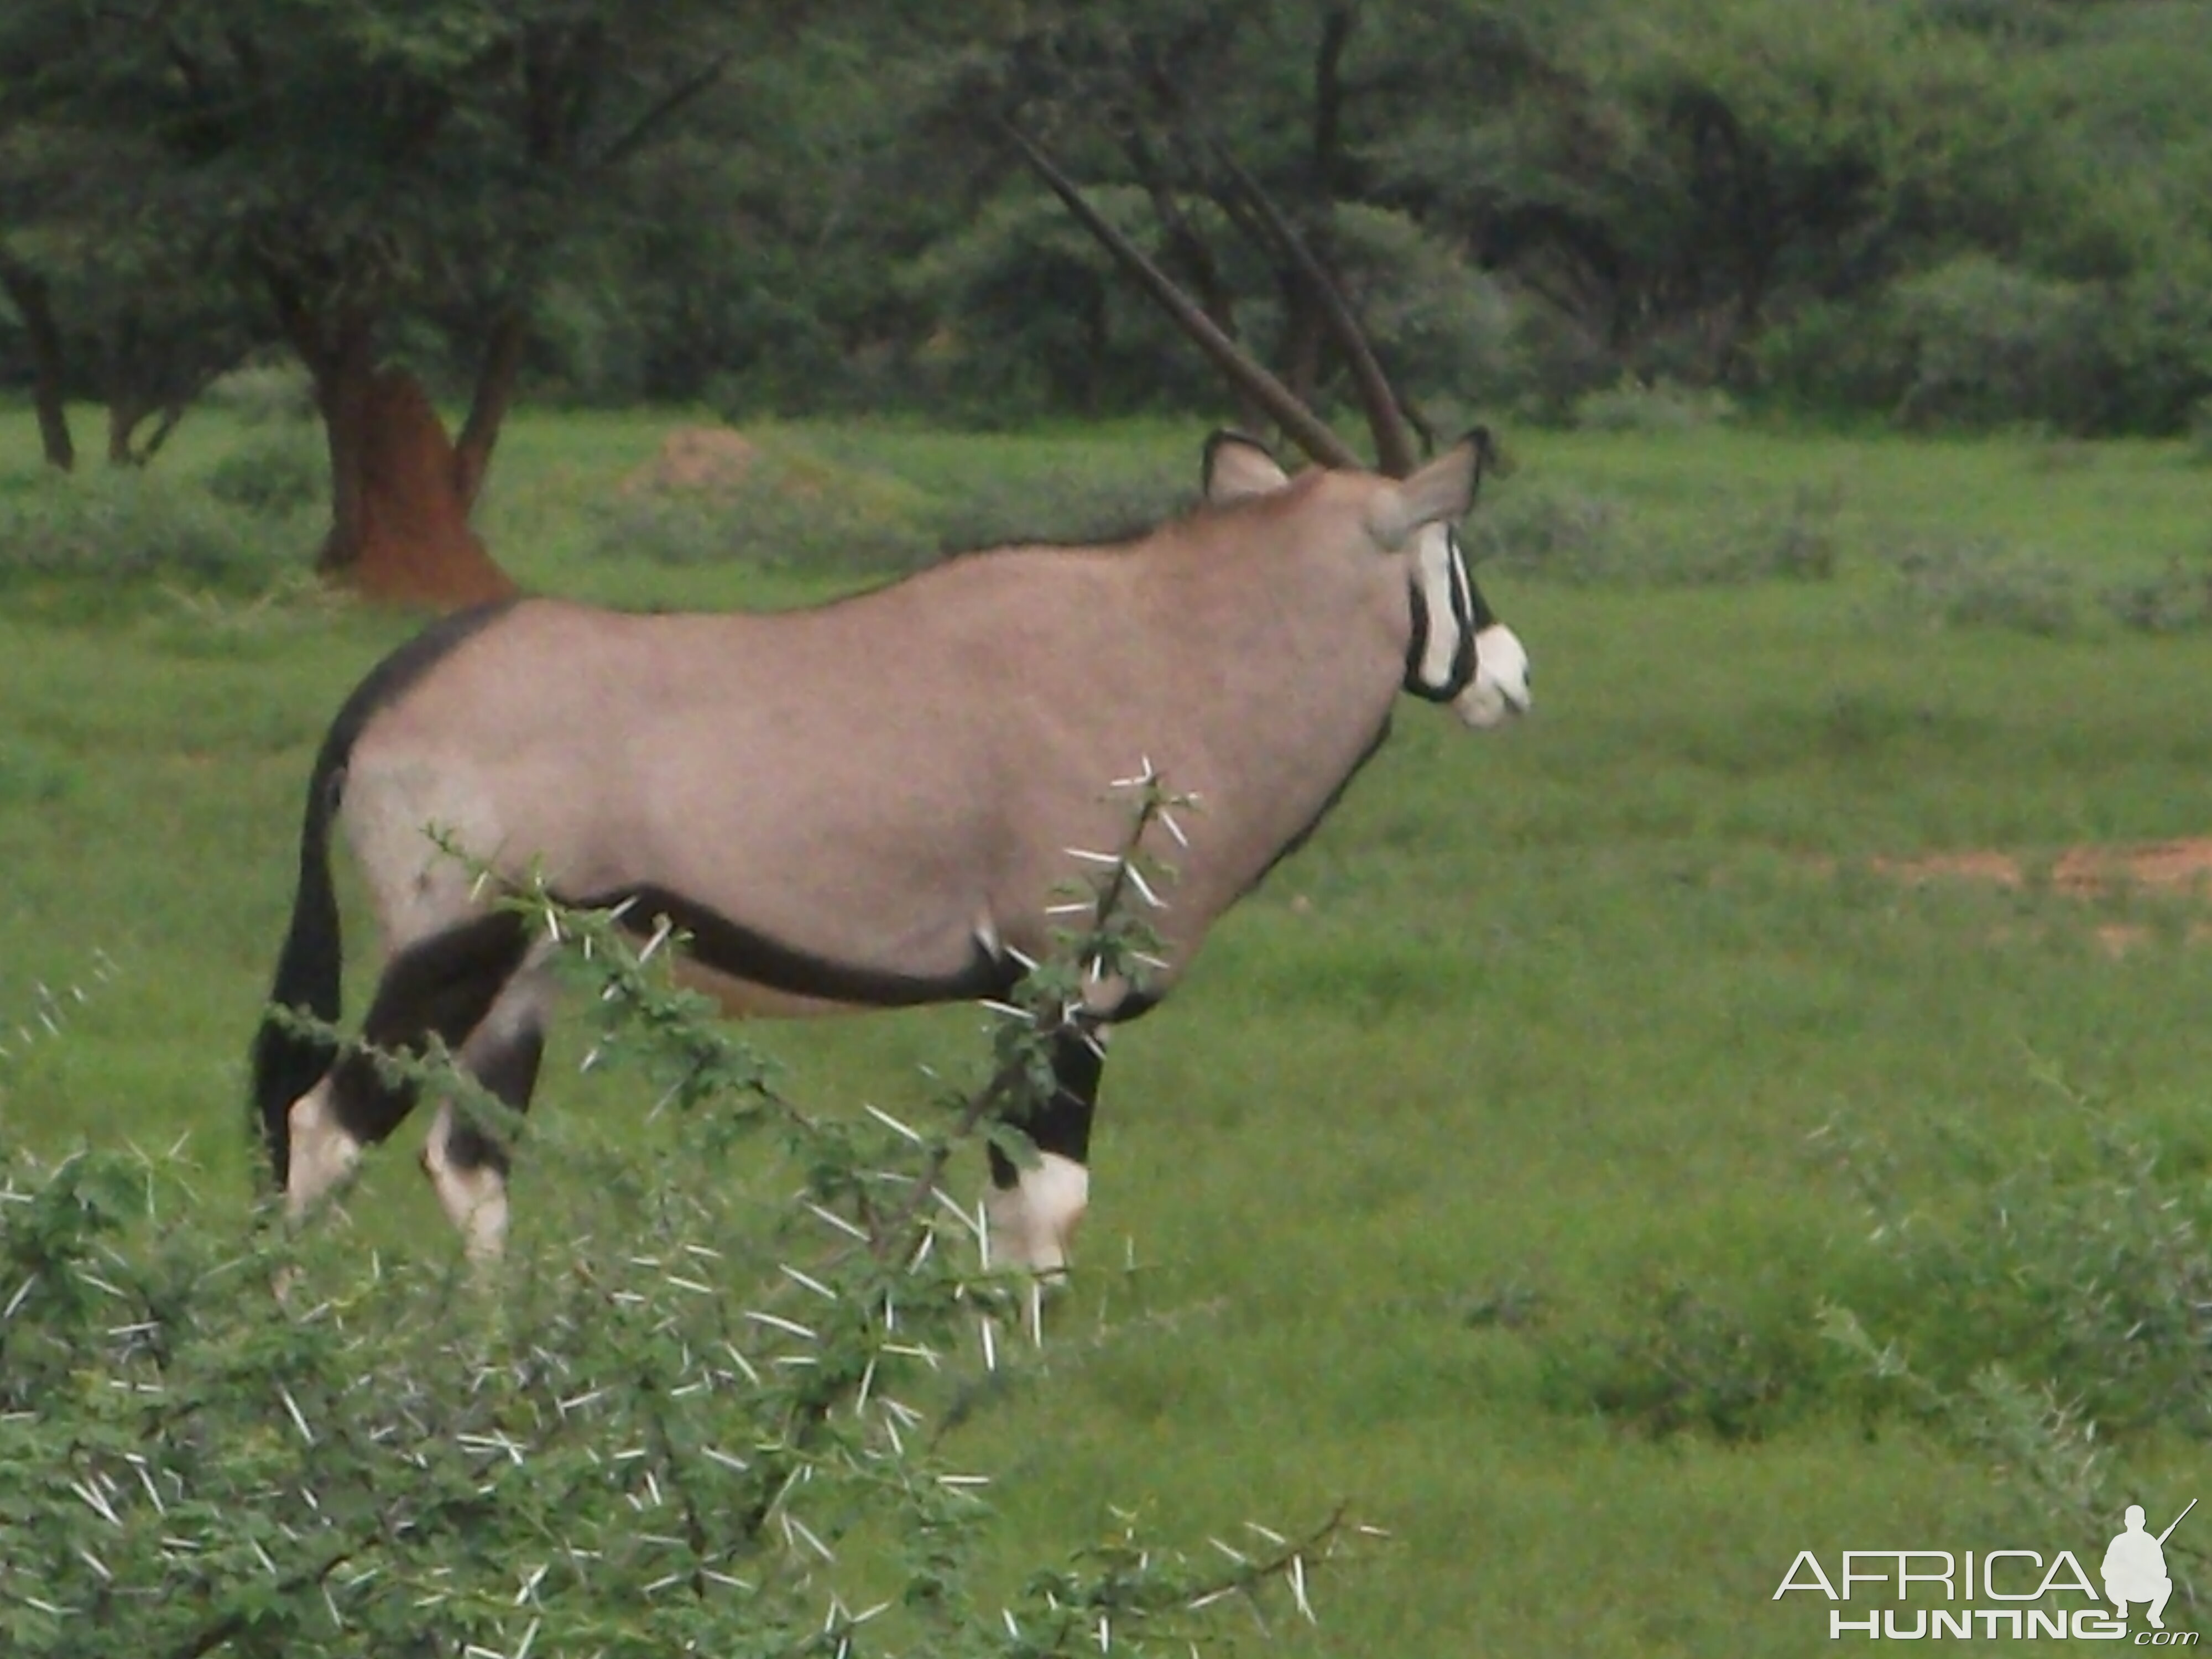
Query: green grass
(1538,1023)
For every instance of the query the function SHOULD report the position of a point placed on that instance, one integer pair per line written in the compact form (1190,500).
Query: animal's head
(1458,651)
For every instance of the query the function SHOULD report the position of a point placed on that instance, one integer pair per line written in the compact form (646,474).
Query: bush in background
(274,469)
(1636,405)
(1979,583)
(776,509)
(116,523)
(270,391)
(1570,536)
(2177,600)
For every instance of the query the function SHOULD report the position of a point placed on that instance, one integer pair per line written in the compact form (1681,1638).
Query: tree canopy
(1935,211)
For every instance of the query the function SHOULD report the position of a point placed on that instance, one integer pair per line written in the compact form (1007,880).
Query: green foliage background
(1940,212)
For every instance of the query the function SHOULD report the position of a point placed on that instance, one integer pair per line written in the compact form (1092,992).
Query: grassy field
(1486,1171)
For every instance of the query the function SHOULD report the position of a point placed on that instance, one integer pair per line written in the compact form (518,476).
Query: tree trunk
(400,490)
(27,290)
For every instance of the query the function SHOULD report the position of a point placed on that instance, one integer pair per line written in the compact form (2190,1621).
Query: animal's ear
(1238,467)
(1443,490)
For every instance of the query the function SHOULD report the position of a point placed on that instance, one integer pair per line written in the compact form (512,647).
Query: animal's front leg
(1033,1213)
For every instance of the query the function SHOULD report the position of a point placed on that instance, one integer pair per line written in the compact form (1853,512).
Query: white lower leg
(323,1154)
(1033,1221)
(473,1196)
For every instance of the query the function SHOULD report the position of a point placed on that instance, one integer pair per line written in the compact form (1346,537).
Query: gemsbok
(864,805)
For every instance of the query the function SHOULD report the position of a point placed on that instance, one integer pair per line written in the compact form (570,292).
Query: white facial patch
(1033,1221)
(1443,580)
(1499,690)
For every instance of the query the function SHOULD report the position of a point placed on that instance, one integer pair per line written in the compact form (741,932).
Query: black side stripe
(746,953)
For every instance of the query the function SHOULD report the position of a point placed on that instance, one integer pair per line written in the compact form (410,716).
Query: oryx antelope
(867,804)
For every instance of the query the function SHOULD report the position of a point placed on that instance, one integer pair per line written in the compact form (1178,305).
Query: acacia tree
(1247,133)
(355,168)
(112,301)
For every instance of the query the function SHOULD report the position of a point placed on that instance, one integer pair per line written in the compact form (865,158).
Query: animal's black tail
(286,1063)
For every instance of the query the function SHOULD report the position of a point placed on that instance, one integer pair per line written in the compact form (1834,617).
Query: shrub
(2177,600)
(277,470)
(1064,504)
(1590,541)
(1991,344)
(2052,1305)
(694,1420)
(784,510)
(1680,1360)
(1985,584)
(264,392)
(1988,344)
(2087,1269)
(1634,406)
(124,523)
(2199,432)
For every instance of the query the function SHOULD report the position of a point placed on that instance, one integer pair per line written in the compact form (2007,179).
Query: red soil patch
(695,458)
(2183,867)
(2083,871)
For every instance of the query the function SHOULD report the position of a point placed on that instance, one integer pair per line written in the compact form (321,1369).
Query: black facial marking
(1466,603)
(1417,638)
(746,953)
(1062,1124)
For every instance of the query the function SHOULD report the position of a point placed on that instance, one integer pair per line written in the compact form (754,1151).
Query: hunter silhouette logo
(2016,1594)
(2135,1566)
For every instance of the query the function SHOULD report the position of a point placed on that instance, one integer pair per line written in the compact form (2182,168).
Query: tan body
(979,712)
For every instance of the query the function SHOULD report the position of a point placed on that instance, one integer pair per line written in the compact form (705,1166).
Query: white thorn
(891,1122)
(1144,888)
(807,1280)
(781,1324)
(299,1420)
(1298,1589)
(837,1221)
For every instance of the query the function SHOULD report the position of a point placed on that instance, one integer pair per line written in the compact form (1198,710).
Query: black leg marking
(510,1073)
(442,986)
(1062,1124)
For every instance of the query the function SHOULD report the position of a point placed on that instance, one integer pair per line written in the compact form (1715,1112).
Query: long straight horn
(1300,424)
(1396,452)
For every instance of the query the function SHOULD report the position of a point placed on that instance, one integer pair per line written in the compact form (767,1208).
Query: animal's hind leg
(440,985)
(468,1166)
(1033,1213)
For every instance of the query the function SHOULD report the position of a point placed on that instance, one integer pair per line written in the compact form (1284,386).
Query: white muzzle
(1499,690)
